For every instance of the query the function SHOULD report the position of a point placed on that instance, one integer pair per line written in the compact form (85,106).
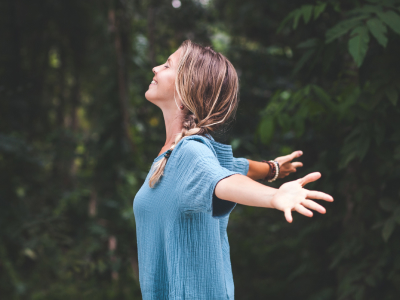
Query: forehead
(175,56)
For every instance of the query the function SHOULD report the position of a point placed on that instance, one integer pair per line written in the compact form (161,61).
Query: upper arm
(200,173)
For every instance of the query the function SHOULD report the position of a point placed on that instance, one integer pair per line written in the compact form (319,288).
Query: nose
(155,70)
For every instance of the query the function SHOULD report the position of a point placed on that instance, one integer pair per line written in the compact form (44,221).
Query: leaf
(307,12)
(366,10)
(306,56)
(355,144)
(297,15)
(319,9)
(391,19)
(323,96)
(387,204)
(363,146)
(285,20)
(266,129)
(392,94)
(378,30)
(358,44)
(387,229)
(308,43)
(342,28)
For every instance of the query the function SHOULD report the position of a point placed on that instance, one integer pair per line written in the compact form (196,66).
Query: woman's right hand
(291,196)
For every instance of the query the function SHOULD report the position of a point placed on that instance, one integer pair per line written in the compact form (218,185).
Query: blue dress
(183,248)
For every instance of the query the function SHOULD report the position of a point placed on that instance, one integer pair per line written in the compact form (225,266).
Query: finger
(288,215)
(297,164)
(309,178)
(313,205)
(319,195)
(292,156)
(304,211)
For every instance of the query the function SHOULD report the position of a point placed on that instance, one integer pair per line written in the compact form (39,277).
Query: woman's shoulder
(194,146)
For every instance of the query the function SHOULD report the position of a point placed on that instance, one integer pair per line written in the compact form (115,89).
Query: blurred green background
(77,138)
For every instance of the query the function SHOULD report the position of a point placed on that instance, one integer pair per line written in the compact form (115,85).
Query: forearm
(244,190)
(257,170)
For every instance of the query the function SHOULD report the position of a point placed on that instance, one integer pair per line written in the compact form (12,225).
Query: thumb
(309,178)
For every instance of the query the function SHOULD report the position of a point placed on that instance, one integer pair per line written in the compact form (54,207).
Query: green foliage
(378,30)
(358,44)
(76,140)
(359,20)
(341,110)
(306,11)
(317,76)
(336,99)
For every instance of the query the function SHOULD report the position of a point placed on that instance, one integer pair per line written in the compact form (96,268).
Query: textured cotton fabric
(183,248)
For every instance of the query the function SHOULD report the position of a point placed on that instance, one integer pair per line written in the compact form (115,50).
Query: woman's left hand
(286,165)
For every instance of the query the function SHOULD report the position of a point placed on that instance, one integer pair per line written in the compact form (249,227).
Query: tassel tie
(166,155)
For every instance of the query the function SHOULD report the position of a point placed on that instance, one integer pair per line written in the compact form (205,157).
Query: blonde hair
(208,86)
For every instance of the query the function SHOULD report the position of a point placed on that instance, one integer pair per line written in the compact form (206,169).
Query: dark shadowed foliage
(77,138)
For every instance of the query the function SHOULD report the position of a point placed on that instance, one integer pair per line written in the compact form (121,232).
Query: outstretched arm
(289,197)
(259,170)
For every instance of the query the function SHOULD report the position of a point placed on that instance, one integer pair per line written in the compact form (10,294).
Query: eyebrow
(169,60)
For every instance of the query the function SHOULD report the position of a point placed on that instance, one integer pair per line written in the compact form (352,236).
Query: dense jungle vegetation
(77,138)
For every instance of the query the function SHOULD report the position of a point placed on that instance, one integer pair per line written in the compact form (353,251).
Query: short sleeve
(200,173)
(241,165)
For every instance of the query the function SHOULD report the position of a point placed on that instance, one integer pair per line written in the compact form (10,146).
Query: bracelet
(277,171)
(273,170)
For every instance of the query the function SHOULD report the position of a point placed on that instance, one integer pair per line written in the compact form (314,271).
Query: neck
(173,125)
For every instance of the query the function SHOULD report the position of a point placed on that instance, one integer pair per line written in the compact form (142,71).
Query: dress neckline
(210,138)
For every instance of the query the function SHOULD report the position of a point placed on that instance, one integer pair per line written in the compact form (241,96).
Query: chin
(149,95)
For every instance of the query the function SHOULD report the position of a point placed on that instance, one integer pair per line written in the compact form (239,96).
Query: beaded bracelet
(273,170)
(276,172)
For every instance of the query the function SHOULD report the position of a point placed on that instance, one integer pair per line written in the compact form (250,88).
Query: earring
(181,107)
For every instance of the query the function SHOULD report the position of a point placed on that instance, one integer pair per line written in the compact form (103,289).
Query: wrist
(270,197)
(273,170)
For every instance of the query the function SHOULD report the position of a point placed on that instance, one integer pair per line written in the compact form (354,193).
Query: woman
(182,209)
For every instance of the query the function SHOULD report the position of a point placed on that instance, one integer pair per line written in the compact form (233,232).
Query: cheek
(167,82)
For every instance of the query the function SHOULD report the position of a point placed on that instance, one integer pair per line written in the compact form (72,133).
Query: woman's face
(161,89)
